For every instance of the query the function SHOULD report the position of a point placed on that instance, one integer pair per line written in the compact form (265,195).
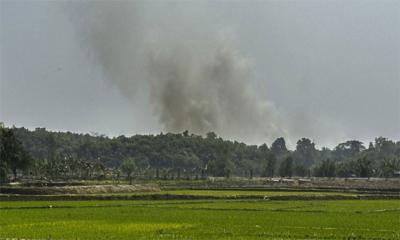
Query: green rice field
(200,219)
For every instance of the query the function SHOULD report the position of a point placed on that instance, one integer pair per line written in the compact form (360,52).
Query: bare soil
(90,189)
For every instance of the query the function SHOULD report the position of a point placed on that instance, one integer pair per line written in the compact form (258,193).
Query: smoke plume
(187,62)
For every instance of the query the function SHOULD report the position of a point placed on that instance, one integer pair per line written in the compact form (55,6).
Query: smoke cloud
(184,60)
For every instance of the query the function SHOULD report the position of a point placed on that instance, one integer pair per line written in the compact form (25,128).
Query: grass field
(201,219)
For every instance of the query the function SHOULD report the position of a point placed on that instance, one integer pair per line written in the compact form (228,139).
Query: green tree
(344,169)
(389,166)
(326,168)
(299,169)
(269,169)
(286,167)
(363,167)
(222,166)
(3,163)
(12,155)
(347,150)
(71,155)
(128,166)
(305,153)
(278,147)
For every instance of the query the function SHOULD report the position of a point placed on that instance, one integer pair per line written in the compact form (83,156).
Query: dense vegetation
(350,219)
(46,154)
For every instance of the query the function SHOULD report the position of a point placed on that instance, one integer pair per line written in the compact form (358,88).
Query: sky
(328,70)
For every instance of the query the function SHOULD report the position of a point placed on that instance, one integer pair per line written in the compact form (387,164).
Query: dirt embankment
(16,197)
(365,185)
(91,189)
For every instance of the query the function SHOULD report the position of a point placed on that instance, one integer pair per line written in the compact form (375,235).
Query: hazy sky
(330,68)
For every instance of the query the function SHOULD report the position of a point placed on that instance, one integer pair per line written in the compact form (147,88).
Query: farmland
(201,219)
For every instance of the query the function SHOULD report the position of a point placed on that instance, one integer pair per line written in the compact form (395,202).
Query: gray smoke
(184,58)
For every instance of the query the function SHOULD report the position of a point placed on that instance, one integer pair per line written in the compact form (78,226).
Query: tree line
(65,155)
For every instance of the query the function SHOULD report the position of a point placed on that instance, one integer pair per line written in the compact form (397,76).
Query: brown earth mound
(91,189)
(60,197)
